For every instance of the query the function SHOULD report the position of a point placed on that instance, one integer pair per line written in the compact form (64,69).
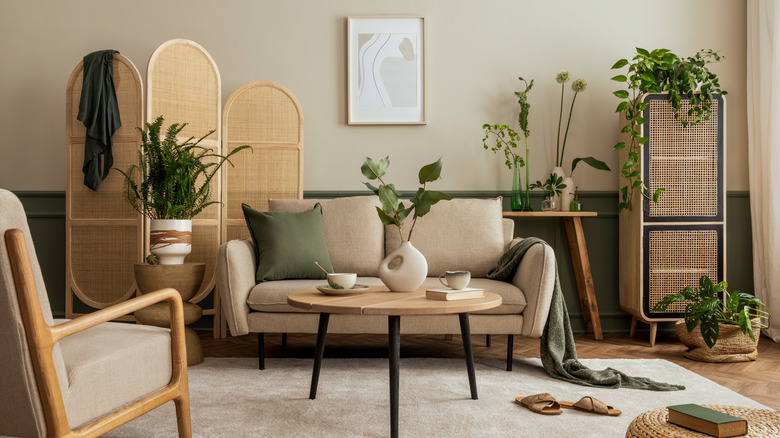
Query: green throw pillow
(288,244)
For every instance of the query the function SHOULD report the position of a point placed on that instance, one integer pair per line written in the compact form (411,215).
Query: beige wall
(476,51)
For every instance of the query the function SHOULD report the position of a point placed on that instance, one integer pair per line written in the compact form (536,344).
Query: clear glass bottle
(576,204)
(548,204)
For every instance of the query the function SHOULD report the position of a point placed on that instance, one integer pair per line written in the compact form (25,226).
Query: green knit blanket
(557,349)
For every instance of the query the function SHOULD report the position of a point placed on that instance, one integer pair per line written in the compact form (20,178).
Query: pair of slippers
(546,404)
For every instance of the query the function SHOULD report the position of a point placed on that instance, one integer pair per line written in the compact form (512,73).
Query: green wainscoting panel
(46,215)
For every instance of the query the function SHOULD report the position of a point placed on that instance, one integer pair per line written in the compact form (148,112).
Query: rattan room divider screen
(268,117)
(104,235)
(183,85)
(669,245)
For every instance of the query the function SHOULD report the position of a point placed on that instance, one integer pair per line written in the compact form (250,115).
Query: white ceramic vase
(567,194)
(559,171)
(170,240)
(404,269)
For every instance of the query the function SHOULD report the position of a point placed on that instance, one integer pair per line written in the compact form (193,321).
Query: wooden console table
(572,220)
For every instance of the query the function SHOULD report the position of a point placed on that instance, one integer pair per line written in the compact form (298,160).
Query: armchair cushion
(112,364)
(288,244)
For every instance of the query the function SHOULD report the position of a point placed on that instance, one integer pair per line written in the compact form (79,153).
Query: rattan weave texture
(104,235)
(184,86)
(762,423)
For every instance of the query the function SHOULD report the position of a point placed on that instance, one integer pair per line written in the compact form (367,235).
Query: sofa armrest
(236,267)
(535,276)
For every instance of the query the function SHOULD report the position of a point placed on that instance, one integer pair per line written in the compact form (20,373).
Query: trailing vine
(657,72)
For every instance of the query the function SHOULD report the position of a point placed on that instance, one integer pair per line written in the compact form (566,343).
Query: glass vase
(549,204)
(520,200)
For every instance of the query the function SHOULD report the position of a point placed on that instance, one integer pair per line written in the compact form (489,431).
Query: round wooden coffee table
(379,301)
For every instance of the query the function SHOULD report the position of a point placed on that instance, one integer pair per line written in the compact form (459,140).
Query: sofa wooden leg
(487,340)
(260,351)
(510,344)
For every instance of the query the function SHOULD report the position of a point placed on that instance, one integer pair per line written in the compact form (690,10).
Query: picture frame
(392,90)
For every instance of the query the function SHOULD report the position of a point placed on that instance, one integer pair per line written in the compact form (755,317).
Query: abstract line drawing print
(387,70)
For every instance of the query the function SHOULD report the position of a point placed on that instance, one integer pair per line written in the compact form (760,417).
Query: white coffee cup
(455,279)
(342,279)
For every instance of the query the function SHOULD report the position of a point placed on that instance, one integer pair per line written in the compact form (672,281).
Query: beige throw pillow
(353,232)
(461,234)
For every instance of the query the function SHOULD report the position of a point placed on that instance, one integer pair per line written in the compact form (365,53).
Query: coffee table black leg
(394,344)
(465,332)
(322,330)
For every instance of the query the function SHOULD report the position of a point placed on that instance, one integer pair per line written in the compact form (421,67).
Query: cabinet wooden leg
(632,332)
(653,331)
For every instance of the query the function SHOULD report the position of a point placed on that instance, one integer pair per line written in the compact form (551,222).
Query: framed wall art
(386,70)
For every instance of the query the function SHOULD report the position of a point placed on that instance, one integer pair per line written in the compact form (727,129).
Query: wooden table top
(378,300)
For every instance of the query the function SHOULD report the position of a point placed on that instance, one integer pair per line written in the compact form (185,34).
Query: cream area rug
(232,398)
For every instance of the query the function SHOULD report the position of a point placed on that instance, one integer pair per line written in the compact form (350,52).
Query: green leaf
(387,219)
(388,199)
(430,172)
(372,188)
(371,169)
(626,129)
(619,145)
(709,330)
(621,94)
(642,51)
(619,64)
(621,107)
(620,78)
(590,161)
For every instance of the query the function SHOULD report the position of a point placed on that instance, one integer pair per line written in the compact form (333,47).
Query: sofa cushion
(271,296)
(353,231)
(461,234)
(288,244)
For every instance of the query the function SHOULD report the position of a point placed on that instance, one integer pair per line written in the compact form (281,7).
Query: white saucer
(356,289)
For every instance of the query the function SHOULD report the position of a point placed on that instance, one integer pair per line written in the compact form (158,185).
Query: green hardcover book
(707,421)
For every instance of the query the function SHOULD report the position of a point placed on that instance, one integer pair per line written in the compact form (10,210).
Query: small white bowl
(344,280)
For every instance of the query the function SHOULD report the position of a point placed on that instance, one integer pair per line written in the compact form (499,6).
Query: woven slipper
(594,405)
(544,404)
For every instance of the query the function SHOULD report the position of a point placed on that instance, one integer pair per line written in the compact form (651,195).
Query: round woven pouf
(653,424)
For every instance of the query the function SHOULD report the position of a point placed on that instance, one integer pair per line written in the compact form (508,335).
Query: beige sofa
(461,234)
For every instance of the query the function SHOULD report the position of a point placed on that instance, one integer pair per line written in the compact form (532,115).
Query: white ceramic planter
(170,240)
(408,271)
(567,194)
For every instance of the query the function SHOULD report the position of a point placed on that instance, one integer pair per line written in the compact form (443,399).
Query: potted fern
(174,186)
(719,326)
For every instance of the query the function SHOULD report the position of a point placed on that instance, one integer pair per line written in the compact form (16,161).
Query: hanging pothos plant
(657,72)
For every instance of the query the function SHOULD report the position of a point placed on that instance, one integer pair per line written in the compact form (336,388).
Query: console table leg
(322,330)
(394,344)
(465,332)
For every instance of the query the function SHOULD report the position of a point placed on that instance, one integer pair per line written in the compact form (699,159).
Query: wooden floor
(759,380)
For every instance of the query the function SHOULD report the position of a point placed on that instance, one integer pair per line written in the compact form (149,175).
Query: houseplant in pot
(173,186)
(506,140)
(659,71)
(404,269)
(719,326)
(552,187)
(578,86)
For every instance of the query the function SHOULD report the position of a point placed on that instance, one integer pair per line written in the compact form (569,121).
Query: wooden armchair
(85,376)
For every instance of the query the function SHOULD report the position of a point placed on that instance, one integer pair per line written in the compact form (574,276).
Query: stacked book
(447,294)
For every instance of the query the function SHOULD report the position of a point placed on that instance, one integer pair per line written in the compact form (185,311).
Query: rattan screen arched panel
(103,233)
(183,85)
(268,117)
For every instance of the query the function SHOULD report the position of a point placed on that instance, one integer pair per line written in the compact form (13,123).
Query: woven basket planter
(732,345)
